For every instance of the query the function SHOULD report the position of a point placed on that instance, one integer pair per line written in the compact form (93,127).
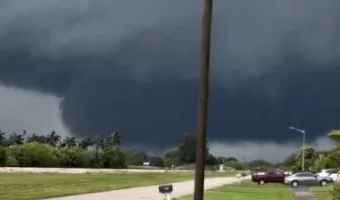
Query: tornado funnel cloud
(132,67)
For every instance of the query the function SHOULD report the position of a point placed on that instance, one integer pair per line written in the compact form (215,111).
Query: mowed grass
(29,186)
(322,193)
(247,191)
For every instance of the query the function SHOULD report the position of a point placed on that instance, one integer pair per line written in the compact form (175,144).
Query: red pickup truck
(268,177)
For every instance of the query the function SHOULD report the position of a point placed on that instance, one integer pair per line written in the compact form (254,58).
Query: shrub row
(43,155)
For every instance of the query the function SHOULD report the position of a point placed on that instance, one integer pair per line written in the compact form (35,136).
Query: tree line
(52,150)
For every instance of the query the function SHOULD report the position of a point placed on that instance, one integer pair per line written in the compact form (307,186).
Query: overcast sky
(99,66)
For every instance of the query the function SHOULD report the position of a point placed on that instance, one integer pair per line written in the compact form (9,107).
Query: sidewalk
(303,193)
(151,192)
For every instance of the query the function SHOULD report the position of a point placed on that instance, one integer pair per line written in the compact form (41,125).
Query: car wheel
(295,184)
(261,182)
(323,183)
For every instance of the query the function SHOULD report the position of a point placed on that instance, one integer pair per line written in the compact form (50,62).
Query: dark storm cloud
(131,66)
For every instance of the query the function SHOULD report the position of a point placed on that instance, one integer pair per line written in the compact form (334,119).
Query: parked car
(333,173)
(268,177)
(307,179)
(325,172)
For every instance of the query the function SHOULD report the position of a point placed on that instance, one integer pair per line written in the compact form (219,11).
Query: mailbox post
(166,190)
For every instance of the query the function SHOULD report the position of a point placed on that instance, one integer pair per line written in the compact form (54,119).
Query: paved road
(150,192)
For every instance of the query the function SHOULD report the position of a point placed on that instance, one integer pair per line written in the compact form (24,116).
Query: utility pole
(203,101)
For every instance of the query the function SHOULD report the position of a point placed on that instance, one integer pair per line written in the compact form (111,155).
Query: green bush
(76,157)
(38,155)
(336,192)
(113,158)
(12,162)
(13,154)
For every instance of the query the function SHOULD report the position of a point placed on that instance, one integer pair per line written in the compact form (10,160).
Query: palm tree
(114,139)
(111,141)
(335,136)
(3,140)
(53,138)
(37,138)
(69,142)
(85,143)
(15,138)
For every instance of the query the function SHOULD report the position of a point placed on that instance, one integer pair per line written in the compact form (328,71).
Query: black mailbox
(165,189)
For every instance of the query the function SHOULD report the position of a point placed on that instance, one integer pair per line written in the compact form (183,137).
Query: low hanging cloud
(132,67)
(270,151)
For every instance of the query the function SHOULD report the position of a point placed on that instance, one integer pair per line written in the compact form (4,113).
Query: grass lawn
(322,193)
(28,186)
(248,191)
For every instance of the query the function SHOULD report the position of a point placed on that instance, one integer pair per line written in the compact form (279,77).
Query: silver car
(307,178)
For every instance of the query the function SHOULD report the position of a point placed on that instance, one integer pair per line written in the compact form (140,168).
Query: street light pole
(203,101)
(303,146)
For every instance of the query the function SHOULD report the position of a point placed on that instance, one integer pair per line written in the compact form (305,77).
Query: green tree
(53,139)
(290,160)
(32,154)
(187,149)
(135,157)
(15,138)
(69,142)
(156,161)
(111,141)
(39,155)
(230,159)
(295,160)
(220,159)
(37,138)
(86,142)
(113,158)
(334,157)
(171,158)
(211,160)
(3,156)
(237,165)
(310,156)
(76,157)
(3,140)
(260,164)
(321,162)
